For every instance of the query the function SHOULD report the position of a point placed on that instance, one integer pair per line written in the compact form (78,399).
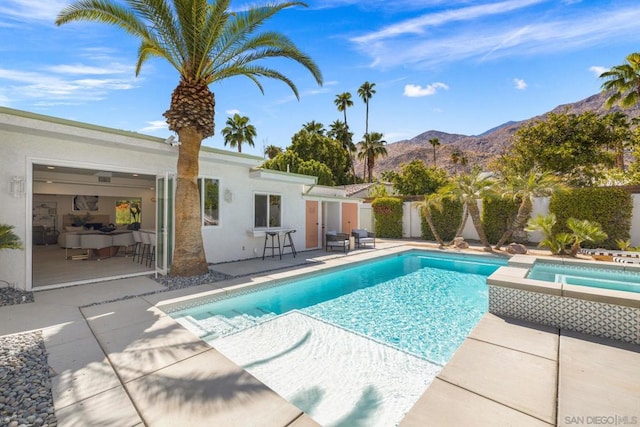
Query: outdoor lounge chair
(363,237)
(336,240)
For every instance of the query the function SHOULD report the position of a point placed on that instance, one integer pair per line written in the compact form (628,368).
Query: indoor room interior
(83,222)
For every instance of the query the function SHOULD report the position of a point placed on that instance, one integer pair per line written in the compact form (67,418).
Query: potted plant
(8,239)
(135,210)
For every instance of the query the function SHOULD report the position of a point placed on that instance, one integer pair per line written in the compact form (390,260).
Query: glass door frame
(165,192)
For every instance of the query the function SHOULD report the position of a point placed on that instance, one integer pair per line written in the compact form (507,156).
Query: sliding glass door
(164,221)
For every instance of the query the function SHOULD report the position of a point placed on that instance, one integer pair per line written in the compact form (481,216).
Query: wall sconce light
(17,186)
(228,196)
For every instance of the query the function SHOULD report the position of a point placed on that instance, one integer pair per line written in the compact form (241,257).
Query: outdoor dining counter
(270,236)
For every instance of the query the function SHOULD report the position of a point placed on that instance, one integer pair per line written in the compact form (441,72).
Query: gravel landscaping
(25,377)
(25,383)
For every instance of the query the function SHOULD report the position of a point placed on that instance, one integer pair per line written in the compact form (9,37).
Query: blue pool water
(605,278)
(423,303)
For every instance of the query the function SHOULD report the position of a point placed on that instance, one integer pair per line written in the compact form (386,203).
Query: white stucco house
(57,170)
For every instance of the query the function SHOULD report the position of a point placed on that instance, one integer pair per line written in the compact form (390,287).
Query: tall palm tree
(468,189)
(272,151)
(435,142)
(525,189)
(365,92)
(343,101)
(456,155)
(623,81)
(339,132)
(206,43)
(237,131)
(371,148)
(314,127)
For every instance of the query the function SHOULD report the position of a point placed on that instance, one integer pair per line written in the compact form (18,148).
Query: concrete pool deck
(128,363)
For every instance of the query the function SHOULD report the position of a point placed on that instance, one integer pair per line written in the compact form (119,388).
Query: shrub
(446,222)
(388,216)
(608,206)
(497,216)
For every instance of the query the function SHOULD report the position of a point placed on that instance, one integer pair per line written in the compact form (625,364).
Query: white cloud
(420,24)
(412,43)
(155,125)
(57,89)
(597,70)
(93,70)
(33,10)
(414,91)
(232,112)
(520,84)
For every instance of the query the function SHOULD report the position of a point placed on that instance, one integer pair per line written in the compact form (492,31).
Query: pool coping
(595,311)
(108,339)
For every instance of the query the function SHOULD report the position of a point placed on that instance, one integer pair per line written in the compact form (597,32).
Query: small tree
(525,189)
(432,201)
(468,189)
(8,239)
(565,243)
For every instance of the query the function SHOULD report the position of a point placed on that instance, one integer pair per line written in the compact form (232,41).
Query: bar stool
(137,250)
(146,245)
(271,234)
(288,242)
(151,256)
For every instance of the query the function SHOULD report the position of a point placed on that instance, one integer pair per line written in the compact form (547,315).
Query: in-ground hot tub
(593,297)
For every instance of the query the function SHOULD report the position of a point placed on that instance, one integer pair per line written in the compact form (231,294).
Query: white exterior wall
(411,221)
(366,217)
(27,139)
(635,221)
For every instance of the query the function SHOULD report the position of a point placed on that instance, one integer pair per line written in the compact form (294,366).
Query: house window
(210,197)
(128,211)
(267,210)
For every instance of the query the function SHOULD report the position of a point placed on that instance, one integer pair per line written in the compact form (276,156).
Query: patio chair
(336,240)
(363,237)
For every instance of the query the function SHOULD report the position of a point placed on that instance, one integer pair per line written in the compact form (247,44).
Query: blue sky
(458,66)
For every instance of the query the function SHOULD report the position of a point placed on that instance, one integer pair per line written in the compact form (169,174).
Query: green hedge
(446,222)
(608,206)
(388,216)
(497,216)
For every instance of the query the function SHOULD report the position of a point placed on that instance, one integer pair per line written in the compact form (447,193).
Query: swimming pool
(606,278)
(358,343)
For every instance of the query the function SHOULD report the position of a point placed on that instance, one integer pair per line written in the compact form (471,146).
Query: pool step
(218,326)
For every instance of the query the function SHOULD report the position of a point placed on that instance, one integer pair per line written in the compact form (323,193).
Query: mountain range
(479,149)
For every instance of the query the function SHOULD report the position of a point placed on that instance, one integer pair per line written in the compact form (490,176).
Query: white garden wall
(411,221)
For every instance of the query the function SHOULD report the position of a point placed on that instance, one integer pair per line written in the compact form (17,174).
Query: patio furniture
(363,237)
(288,242)
(271,235)
(336,240)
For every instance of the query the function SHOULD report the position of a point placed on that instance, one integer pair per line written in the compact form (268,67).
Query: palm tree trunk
(474,212)
(465,216)
(188,258)
(521,218)
(366,122)
(432,227)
